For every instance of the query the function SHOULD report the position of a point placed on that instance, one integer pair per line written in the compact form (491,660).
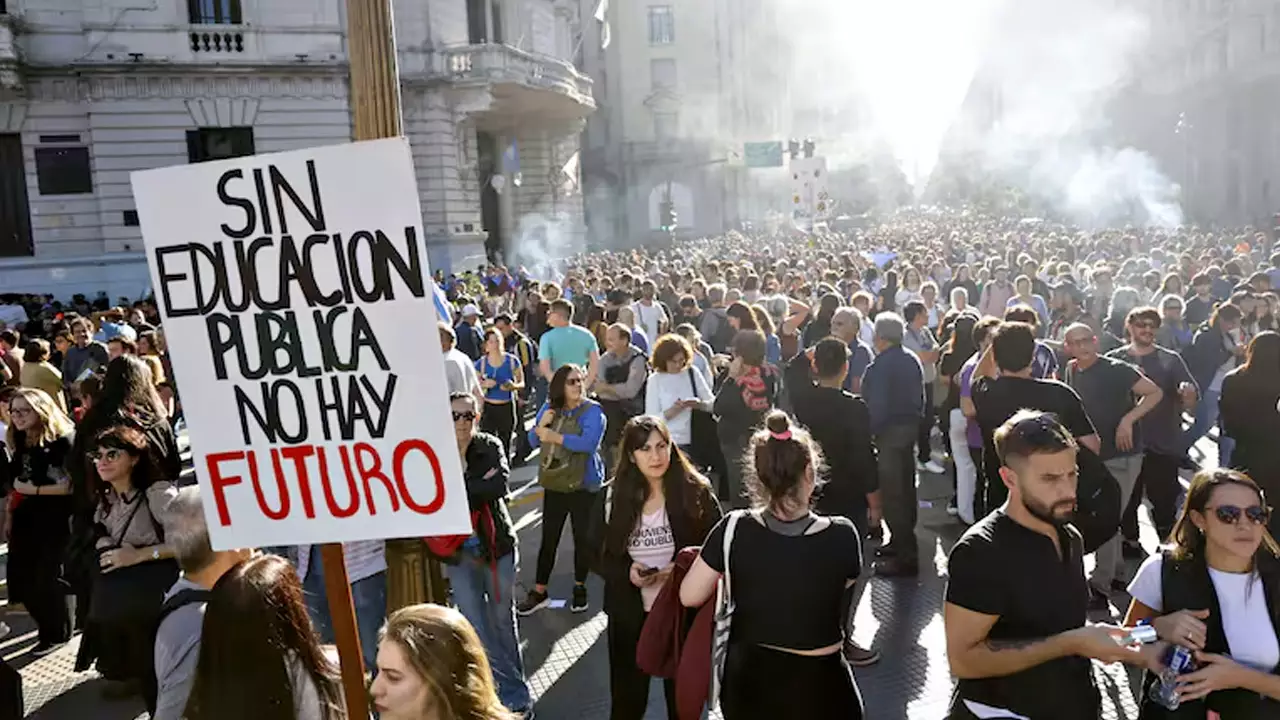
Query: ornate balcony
(501,86)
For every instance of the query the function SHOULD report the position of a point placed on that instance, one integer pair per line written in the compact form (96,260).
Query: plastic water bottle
(1164,692)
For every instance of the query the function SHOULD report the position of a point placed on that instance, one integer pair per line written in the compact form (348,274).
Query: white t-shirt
(1248,628)
(649,319)
(652,545)
(664,389)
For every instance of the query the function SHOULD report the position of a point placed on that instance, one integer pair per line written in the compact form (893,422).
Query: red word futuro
(293,469)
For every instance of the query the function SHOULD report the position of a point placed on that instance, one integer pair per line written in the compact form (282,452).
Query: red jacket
(672,646)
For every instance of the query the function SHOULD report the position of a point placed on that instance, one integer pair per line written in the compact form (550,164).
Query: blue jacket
(592,423)
(893,387)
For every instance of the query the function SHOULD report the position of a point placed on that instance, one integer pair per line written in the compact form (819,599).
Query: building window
(662,25)
(666,125)
(219,143)
(663,73)
(63,171)
(215,12)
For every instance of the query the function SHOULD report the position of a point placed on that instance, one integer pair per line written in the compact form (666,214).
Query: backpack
(150,683)
(560,469)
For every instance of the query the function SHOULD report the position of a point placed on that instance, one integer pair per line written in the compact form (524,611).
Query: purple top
(972,432)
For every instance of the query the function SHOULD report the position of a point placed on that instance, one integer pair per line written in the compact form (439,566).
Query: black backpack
(151,684)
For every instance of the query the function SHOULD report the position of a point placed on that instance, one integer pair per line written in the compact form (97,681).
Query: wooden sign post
(342,613)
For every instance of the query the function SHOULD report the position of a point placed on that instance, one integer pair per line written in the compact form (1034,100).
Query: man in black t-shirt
(1003,385)
(1016,600)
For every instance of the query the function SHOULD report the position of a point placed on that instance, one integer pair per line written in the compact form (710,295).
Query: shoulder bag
(724,615)
(137,591)
(562,470)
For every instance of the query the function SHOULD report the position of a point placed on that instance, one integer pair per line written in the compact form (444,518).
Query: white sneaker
(930,467)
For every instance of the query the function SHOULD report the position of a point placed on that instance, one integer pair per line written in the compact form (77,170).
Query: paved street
(566,655)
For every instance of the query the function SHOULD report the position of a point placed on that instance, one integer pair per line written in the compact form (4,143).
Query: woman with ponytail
(792,577)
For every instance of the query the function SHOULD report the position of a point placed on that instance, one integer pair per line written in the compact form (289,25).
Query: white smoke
(542,241)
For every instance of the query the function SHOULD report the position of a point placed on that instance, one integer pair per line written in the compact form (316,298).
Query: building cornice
(129,82)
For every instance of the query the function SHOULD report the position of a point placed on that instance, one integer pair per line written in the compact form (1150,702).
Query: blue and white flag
(442,304)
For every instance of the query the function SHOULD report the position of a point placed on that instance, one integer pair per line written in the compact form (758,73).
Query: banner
(299,312)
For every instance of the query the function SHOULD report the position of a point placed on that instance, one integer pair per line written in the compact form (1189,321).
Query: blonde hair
(54,423)
(446,653)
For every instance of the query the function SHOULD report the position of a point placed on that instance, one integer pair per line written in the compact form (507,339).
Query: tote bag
(724,615)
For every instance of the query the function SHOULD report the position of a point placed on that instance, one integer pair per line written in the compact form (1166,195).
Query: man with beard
(1016,599)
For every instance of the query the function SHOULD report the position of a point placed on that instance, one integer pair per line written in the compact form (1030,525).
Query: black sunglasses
(108,455)
(573,381)
(467,415)
(1231,514)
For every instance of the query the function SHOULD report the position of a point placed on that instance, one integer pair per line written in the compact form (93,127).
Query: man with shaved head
(1116,394)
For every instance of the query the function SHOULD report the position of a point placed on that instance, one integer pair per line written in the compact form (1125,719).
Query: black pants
(499,420)
(980,509)
(39,536)
(898,488)
(1159,479)
(761,683)
(924,445)
(556,507)
(628,684)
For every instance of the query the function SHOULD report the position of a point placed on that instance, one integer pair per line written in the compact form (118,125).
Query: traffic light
(668,214)
(808,148)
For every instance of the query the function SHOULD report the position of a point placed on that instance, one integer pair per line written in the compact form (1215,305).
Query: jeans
(1108,561)
(1206,416)
(896,448)
(369,596)
(734,488)
(966,472)
(489,606)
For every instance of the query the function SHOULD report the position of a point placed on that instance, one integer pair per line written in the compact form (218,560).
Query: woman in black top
(1250,414)
(791,573)
(39,441)
(749,391)
(658,505)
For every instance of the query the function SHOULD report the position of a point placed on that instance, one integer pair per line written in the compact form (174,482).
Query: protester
(675,390)
(1215,351)
(1018,641)
(37,372)
(136,566)
(658,504)
(567,344)
(502,379)
(482,570)
(459,371)
(748,393)
(39,450)
(956,353)
(570,429)
(432,665)
(181,620)
(920,341)
(792,572)
(85,354)
(1250,412)
(620,388)
(259,657)
(893,386)
(1209,592)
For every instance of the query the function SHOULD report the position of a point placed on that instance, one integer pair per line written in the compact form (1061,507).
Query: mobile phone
(646,572)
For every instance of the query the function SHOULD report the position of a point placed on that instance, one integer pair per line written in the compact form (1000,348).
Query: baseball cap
(470,310)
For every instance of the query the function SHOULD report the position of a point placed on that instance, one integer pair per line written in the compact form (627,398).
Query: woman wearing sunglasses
(1212,592)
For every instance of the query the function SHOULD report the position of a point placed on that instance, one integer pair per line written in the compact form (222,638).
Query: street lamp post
(412,577)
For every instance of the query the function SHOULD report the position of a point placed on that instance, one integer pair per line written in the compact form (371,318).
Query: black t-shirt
(1106,389)
(998,399)
(787,590)
(1002,568)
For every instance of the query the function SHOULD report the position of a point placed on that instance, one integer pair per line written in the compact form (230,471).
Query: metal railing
(503,63)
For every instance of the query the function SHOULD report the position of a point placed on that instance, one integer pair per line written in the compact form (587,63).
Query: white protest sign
(298,310)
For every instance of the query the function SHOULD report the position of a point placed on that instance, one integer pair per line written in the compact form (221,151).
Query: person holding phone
(657,505)
(676,388)
(501,377)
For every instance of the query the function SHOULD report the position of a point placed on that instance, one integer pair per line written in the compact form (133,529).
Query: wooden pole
(412,577)
(342,614)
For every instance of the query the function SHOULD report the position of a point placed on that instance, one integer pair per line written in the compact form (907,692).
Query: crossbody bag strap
(124,530)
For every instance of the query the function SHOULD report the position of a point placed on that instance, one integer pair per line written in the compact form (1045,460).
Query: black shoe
(45,648)
(1098,601)
(897,567)
(579,603)
(532,603)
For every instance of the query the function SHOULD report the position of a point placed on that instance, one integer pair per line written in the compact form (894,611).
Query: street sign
(290,286)
(762,154)
(809,195)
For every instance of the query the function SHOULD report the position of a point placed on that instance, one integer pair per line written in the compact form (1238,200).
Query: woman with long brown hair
(1211,592)
(39,441)
(259,657)
(135,566)
(431,666)
(1249,413)
(658,504)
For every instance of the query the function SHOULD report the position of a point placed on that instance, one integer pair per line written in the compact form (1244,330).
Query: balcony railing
(217,42)
(485,64)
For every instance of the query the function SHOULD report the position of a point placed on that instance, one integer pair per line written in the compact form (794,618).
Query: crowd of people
(784,393)
(735,430)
